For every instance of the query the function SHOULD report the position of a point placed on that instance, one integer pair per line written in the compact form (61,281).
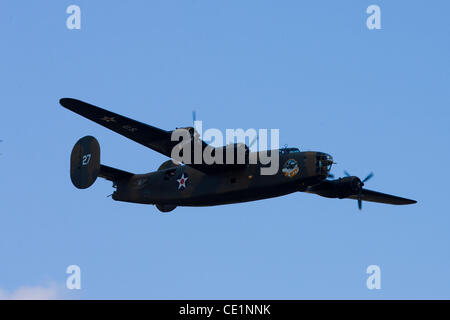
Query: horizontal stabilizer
(113,174)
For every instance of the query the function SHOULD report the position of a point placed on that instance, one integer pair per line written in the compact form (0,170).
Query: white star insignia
(182,182)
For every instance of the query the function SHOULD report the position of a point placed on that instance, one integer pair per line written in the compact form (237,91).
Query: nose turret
(323,163)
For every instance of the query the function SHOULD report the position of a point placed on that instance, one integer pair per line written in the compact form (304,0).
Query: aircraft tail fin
(85,162)
(85,165)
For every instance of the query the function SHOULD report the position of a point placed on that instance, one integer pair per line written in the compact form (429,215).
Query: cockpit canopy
(289,150)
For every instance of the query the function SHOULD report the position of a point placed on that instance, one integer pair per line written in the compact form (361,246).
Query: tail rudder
(85,165)
(85,162)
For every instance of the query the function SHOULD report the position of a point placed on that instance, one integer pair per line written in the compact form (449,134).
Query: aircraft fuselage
(185,186)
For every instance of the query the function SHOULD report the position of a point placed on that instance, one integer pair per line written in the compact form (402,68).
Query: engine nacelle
(339,188)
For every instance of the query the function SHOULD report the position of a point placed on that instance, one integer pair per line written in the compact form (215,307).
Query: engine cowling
(339,188)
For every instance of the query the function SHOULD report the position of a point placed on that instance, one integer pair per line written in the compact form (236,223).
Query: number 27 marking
(86,159)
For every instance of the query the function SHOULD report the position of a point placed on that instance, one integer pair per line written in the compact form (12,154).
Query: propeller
(194,119)
(195,124)
(359,185)
(369,176)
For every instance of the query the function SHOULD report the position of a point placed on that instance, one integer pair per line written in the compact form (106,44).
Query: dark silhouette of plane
(202,184)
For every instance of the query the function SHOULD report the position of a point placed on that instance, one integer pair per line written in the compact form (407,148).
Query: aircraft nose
(324,161)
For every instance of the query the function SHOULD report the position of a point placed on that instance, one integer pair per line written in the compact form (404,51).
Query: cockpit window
(289,150)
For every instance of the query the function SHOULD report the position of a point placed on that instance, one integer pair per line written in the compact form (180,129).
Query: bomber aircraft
(199,184)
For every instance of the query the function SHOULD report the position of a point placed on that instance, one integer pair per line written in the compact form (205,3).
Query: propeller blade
(368,177)
(359,201)
(359,186)
(194,119)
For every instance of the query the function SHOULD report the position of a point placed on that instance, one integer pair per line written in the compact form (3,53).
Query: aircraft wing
(149,136)
(374,196)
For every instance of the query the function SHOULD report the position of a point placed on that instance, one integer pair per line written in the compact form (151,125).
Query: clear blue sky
(376,100)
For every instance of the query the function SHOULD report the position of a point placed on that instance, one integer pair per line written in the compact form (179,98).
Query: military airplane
(200,184)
